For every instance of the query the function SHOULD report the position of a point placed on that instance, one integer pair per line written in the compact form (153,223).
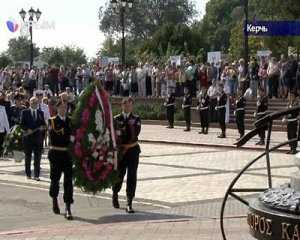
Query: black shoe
(201,132)
(37,179)
(68,213)
(55,207)
(187,130)
(129,209)
(294,151)
(261,143)
(115,201)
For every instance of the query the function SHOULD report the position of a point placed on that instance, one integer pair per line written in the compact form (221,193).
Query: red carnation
(77,150)
(79,134)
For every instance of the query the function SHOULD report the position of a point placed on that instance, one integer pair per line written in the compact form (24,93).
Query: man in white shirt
(4,127)
(47,91)
(45,109)
(141,78)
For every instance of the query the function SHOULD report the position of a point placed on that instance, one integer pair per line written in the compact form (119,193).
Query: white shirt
(45,109)
(4,125)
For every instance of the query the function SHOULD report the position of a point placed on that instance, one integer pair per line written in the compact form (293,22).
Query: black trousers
(170,115)
(262,133)
(33,144)
(61,162)
(292,133)
(204,118)
(2,136)
(187,117)
(273,86)
(128,163)
(212,111)
(221,118)
(240,122)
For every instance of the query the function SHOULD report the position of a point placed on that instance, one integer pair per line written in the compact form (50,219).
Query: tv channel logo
(12,25)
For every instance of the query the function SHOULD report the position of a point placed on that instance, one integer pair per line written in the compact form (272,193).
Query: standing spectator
(86,76)
(163,83)
(273,78)
(109,77)
(32,81)
(125,83)
(213,95)
(47,91)
(141,77)
(4,127)
(133,82)
(242,75)
(170,77)
(263,75)
(233,79)
(147,69)
(78,79)
(254,68)
(291,73)
(154,76)
(53,77)
(61,76)
(117,80)
(202,76)
(283,67)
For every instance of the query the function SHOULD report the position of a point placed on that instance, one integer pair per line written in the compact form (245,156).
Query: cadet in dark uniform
(203,107)
(60,159)
(261,111)
(186,106)
(240,112)
(170,106)
(128,127)
(16,110)
(221,108)
(292,122)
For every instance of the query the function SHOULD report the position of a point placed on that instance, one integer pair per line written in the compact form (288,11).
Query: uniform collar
(62,118)
(126,115)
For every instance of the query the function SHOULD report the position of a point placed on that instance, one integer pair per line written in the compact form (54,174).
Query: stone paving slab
(159,133)
(182,229)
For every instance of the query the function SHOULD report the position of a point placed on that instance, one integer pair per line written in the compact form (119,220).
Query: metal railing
(266,122)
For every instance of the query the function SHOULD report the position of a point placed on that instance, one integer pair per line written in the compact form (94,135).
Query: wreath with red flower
(93,141)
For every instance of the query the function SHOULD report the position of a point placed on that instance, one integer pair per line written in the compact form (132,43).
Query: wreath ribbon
(112,130)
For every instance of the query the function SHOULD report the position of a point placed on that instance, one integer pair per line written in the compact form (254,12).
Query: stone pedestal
(295,179)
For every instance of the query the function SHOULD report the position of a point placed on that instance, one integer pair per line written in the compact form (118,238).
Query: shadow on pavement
(136,217)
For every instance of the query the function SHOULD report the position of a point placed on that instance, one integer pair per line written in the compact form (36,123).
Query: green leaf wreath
(92,144)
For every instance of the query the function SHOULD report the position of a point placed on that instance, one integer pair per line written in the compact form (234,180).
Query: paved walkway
(161,134)
(179,193)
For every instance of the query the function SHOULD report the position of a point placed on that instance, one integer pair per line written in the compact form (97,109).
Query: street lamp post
(32,13)
(122,4)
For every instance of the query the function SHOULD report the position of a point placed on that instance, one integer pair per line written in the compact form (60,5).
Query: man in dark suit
(33,123)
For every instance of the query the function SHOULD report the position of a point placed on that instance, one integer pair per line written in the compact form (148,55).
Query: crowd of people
(208,82)
(156,80)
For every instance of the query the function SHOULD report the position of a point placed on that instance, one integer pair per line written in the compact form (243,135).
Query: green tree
(5,60)
(19,49)
(145,17)
(66,56)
